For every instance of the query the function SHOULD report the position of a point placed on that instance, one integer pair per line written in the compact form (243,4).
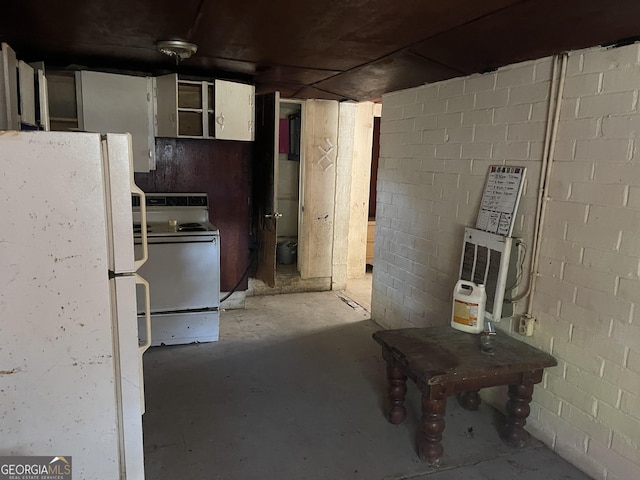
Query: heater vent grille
(485,259)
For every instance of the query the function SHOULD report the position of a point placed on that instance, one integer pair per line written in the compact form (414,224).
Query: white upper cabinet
(41,96)
(234,111)
(27,84)
(110,103)
(184,107)
(9,116)
(202,109)
(22,91)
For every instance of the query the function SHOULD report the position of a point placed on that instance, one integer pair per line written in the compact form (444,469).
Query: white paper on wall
(500,199)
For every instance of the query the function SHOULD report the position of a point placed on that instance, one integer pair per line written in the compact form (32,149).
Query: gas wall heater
(485,259)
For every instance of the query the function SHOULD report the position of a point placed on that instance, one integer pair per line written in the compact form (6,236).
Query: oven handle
(143,226)
(147,315)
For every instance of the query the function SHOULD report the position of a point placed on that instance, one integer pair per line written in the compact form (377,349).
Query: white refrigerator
(70,351)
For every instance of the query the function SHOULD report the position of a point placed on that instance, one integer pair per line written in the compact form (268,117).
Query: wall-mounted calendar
(500,199)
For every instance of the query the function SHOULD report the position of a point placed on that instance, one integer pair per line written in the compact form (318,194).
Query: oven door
(183,275)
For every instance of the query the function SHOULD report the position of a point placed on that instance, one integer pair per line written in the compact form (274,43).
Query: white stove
(183,267)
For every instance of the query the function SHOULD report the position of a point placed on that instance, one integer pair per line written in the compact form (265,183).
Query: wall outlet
(525,327)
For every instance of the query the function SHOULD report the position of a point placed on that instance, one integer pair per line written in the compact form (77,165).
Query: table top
(441,355)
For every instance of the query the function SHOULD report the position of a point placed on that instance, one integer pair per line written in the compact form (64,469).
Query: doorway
(277,192)
(359,287)
(375,155)
(288,187)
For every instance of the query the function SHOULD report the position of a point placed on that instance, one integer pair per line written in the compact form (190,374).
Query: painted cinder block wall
(436,144)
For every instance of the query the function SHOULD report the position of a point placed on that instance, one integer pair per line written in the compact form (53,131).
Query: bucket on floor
(469,300)
(286,252)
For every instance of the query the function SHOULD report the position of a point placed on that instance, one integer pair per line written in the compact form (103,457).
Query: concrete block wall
(436,144)
(344,168)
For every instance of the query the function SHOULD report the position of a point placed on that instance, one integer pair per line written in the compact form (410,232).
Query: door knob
(273,215)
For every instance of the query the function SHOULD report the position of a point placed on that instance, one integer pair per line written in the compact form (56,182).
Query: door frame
(302,104)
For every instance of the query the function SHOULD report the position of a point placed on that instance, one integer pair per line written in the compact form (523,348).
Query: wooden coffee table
(444,362)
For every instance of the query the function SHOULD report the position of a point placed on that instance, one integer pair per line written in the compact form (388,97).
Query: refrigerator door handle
(147,314)
(143,223)
(142,347)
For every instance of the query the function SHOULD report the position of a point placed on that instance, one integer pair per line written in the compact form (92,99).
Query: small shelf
(189,95)
(189,82)
(63,124)
(190,123)
(64,119)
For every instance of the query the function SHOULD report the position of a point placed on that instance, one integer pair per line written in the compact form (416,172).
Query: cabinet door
(167,105)
(42,96)
(234,110)
(113,103)
(9,119)
(27,79)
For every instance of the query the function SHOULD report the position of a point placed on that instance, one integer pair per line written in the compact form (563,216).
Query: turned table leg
(397,391)
(469,400)
(431,428)
(517,413)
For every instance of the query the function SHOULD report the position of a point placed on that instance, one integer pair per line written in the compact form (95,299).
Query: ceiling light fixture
(180,49)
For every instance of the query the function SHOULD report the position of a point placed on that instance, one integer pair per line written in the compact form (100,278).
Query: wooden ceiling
(332,49)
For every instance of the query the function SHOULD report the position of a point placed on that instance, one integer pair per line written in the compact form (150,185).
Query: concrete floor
(359,289)
(295,389)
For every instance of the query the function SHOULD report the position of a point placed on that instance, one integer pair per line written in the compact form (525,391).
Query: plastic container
(468,307)
(488,339)
(286,252)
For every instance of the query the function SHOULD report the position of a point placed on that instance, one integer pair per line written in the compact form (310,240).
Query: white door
(118,167)
(129,380)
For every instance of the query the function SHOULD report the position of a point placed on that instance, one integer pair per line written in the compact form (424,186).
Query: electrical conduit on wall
(555,103)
